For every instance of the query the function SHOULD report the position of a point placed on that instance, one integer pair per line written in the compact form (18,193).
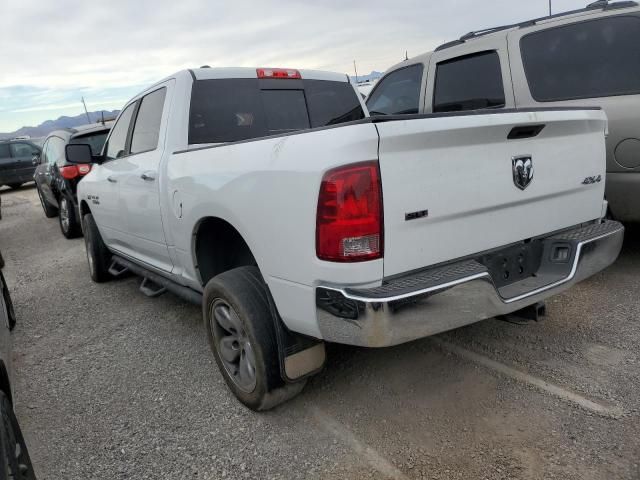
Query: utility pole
(355,69)
(85,110)
(550,13)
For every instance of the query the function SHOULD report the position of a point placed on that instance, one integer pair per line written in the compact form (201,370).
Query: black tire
(15,463)
(49,210)
(69,225)
(15,186)
(98,255)
(245,294)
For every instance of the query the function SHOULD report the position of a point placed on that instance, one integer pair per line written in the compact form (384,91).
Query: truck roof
(208,73)
(593,9)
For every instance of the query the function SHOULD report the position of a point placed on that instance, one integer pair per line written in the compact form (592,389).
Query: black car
(17,162)
(57,180)
(14,456)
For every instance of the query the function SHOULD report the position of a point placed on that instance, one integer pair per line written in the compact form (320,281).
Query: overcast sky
(53,53)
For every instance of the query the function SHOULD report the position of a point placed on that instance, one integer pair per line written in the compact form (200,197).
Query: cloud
(71,45)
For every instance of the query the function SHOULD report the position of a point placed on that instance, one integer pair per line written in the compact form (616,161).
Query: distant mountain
(49,126)
(368,78)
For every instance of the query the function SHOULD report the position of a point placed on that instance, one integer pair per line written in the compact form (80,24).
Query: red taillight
(278,73)
(73,171)
(349,226)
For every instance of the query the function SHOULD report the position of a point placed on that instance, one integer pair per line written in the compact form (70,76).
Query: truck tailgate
(449,186)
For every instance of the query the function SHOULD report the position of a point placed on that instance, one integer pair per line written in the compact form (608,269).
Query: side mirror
(79,153)
(35,159)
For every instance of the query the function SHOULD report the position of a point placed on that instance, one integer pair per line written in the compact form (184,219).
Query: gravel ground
(113,385)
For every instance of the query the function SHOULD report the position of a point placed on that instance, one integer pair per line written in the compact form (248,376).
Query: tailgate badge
(522,171)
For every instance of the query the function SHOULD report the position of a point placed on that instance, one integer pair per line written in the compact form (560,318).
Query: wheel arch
(84,208)
(218,246)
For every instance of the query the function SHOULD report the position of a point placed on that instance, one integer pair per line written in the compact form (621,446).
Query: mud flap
(300,356)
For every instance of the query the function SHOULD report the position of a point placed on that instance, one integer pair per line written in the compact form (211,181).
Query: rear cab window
(236,109)
(589,59)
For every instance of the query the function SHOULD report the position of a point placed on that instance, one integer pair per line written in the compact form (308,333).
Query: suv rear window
(230,110)
(596,58)
(469,83)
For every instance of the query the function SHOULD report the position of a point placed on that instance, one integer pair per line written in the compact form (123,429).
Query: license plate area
(515,263)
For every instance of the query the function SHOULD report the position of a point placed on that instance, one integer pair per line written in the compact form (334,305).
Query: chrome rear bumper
(451,296)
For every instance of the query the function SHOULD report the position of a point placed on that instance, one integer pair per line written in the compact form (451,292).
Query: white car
(270,197)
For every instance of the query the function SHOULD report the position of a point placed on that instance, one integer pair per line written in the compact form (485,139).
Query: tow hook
(532,313)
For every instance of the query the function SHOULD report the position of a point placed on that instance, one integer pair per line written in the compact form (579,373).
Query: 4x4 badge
(522,171)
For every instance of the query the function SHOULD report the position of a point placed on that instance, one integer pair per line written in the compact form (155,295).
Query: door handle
(112,180)
(148,176)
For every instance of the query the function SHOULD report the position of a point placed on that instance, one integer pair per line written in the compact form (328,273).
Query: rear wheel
(241,333)
(98,256)
(15,463)
(49,210)
(68,224)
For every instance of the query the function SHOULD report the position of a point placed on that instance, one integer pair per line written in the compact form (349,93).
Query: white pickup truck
(271,197)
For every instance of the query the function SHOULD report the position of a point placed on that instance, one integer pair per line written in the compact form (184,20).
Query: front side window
(146,131)
(118,139)
(597,58)
(19,150)
(398,93)
(94,140)
(471,82)
(4,150)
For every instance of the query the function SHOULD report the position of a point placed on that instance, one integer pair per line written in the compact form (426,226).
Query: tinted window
(94,140)
(4,150)
(397,93)
(147,128)
(585,60)
(118,138)
(22,150)
(331,103)
(469,83)
(285,110)
(229,110)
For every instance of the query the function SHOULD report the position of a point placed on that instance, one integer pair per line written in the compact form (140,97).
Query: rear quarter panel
(268,190)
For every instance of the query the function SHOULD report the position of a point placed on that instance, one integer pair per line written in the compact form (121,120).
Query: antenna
(102,112)
(85,110)
(406,55)
(550,9)
(355,69)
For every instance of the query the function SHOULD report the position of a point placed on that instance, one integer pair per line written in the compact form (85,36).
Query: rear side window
(22,150)
(471,82)
(230,110)
(4,150)
(147,128)
(597,58)
(94,140)
(397,93)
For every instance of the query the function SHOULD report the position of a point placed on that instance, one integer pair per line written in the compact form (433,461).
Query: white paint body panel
(459,168)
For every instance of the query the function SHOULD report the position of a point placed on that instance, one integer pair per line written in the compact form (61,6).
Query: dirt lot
(113,385)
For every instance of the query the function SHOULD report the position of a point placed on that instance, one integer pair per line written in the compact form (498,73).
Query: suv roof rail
(597,5)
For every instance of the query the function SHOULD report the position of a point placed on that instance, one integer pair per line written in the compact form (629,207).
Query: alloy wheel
(64,214)
(233,345)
